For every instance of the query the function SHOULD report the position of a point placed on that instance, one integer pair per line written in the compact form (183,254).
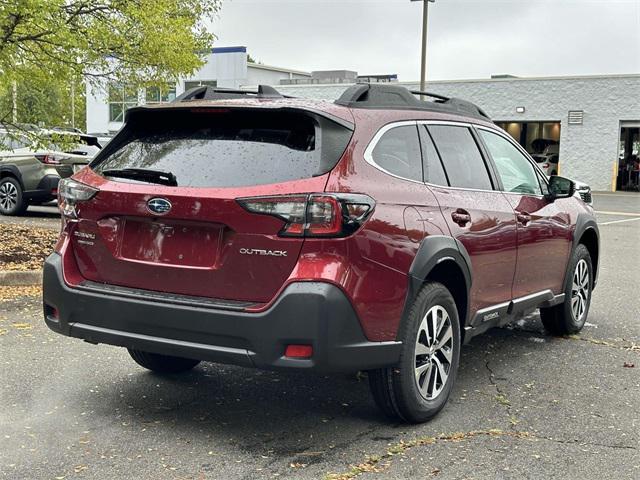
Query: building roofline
(531,79)
(490,80)
(260,66)
(229,50)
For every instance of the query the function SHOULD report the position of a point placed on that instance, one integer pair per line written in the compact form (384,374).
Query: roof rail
(398,97)
(207,92)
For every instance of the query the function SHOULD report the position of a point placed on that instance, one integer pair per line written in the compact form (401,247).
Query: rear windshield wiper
(144,175)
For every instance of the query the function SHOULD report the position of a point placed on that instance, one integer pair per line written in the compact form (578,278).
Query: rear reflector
(51,312)
(299,351)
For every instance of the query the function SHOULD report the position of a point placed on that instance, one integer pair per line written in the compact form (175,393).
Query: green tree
(48,45)
(47,101)
(250,59)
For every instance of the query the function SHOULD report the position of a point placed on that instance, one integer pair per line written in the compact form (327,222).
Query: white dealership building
(225,67)
(593,121)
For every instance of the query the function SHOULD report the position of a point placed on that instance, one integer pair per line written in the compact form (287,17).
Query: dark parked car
(378,233)
(26,177)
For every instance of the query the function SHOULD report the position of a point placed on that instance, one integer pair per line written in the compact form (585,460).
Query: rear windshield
(227,148)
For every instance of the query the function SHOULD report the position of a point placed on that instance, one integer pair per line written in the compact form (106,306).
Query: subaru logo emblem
(159,206)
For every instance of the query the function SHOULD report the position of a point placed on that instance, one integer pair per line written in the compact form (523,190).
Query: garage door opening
(540,139)
(629,157)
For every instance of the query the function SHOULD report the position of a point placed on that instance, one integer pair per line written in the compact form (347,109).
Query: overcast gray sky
(467,38)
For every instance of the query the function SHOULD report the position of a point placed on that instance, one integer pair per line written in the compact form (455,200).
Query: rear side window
(12,141)
(398,152)
(431,164)
(461,158)
(227,147)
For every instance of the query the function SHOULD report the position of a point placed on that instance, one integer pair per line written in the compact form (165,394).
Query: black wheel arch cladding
(11,171)
(586,225)
(434,250)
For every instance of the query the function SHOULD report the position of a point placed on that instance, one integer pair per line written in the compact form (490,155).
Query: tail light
(545,165)
(70,192)
(50,159)
(314,215)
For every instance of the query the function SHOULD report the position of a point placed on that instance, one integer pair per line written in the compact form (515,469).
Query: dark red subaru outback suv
(377,233)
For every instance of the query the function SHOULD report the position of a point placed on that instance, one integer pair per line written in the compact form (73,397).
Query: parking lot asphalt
(526,405)
(41,216)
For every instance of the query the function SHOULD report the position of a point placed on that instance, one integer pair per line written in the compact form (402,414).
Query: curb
(10,278)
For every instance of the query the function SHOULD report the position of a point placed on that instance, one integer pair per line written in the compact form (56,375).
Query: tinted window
(515,170)
(226,148)
(398,152)
(461,158)
(431,164)
(12,141)
(542,180)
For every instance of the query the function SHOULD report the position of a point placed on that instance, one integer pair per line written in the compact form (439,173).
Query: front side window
(121,97)
(542,180)
(461,158)
(398,152)
(515,170)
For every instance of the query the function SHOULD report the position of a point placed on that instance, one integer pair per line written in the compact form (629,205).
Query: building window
(163,94)
(199,83)
(121,97)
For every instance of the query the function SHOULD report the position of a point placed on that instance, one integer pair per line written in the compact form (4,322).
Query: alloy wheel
(8,196)
(580,290)
(433,352)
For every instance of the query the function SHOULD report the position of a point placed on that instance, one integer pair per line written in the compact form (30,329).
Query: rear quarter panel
(31,170)
(373,265)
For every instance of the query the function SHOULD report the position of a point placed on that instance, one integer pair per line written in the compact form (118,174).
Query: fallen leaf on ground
(25,248)
(10,293)
(22,326)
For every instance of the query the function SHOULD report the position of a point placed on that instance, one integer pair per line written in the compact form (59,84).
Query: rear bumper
(305,313)
(45,190)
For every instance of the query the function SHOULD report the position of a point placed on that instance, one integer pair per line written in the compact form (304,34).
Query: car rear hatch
(183,231)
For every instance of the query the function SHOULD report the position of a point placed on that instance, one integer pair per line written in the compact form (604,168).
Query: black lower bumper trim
(312,313)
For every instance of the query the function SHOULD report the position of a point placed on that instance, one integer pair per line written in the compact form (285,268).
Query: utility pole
(73,103)
(14,99)
(425,22)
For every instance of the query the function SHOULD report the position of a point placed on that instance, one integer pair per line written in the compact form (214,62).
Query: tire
(162,363)
(396,390)
(569,316)
(12,201)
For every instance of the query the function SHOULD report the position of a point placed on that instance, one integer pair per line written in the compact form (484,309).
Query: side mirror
(560,187)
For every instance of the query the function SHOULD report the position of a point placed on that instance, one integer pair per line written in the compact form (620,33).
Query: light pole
(425,21)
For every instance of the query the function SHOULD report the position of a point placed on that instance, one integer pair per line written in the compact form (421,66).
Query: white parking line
(619,195)
(620,221)
(623,214)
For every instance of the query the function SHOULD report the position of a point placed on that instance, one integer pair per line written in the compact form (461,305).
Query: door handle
(461,217)
(523,217)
